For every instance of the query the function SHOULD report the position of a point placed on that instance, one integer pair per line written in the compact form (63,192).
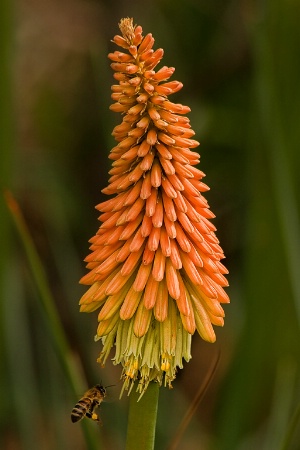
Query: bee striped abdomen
(81,409)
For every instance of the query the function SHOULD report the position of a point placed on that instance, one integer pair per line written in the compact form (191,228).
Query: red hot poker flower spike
(154,267)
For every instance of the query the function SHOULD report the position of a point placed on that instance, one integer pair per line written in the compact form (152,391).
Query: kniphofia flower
(155,264)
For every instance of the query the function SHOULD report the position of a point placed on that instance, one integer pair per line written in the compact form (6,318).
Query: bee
(86,406)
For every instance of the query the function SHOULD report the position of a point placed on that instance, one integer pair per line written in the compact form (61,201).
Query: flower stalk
(155,268)
(142,419)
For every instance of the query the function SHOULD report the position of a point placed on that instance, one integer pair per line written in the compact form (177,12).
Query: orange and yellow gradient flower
(154,267)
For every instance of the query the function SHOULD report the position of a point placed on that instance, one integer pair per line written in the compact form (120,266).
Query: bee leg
(90,413)
(96,418)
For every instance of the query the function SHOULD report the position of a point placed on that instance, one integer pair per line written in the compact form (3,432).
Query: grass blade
(56,332)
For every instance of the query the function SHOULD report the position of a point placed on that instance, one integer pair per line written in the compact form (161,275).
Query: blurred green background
(240,66)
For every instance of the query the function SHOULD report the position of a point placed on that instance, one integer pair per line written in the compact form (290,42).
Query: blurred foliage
(239,62)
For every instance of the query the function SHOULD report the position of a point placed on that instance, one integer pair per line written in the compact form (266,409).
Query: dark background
(240,66)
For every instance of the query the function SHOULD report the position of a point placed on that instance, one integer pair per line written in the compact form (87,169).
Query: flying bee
(86,406)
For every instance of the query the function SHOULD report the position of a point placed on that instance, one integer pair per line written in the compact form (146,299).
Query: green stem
(142,419)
